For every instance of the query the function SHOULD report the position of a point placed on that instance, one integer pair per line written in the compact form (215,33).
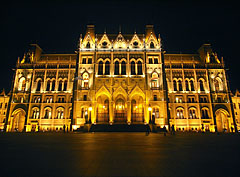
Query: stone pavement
(118,154)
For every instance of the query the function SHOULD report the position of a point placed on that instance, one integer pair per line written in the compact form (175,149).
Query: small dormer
(135,42)
(104,42)
(88,42)
(120,42)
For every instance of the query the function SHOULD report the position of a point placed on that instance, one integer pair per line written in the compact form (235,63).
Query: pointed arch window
(107,68)
(151,45)
(22,84)
(88,45)
(100,68)
(133,71)
(139,68)
(116,68)
(123,68)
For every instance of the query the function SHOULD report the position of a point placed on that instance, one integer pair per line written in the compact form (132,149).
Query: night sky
(57,25)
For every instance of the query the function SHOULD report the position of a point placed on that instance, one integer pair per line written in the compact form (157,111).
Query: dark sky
(57,25)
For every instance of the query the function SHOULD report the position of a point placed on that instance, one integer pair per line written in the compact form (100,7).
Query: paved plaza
(119,154)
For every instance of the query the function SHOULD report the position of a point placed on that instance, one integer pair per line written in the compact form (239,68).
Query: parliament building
(120,79)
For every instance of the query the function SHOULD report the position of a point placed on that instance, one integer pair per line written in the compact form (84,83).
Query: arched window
(116,68)
(100,68)
(154,80)
(38,85)
(139,68)
(60,113)
(107,68)
(53,85)
(180,113)
(22,84)
(88,45)
(48,113)
(48,85)
(179,85)
(65,86)
(187,85)
(60,83)
(201,85)
(151,45)
(205,114)
(217,85)
(123,68)
(85,82)
(192,85)
(35,113)
(192,113)
(174,85)
(133,72)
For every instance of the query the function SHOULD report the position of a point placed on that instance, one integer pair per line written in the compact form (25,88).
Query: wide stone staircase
(118,128)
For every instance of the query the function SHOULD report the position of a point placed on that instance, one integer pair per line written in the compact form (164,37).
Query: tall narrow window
(48,85)
(60,86)
(100,68)
(174,85)
(53,85)
(133,72)
(216,83)
(107,68)
(187,85)
(150,61)
(38,85)
(65,86)
(139,68)
(155,60)
(116,68)
(201,85)
(192,85)
(123,68)
(84,61)
(179,85)
(89,60)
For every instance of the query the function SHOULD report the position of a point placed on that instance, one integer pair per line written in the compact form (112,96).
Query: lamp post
(150,109)
(90,110)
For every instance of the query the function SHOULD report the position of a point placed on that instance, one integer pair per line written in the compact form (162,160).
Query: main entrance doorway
(103,112)
(18,120)
(137,111)
(120,114)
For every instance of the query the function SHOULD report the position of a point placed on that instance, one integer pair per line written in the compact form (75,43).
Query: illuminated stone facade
(4,99)
(120,79)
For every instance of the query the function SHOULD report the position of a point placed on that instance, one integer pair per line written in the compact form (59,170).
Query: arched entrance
(120,114)
(103,109)
(137,110)
(18,120)
(222,120)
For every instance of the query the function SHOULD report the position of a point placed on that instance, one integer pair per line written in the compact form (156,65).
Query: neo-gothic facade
(120,79)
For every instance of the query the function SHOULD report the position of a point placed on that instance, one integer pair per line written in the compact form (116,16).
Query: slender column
(129,111)
(111,111)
